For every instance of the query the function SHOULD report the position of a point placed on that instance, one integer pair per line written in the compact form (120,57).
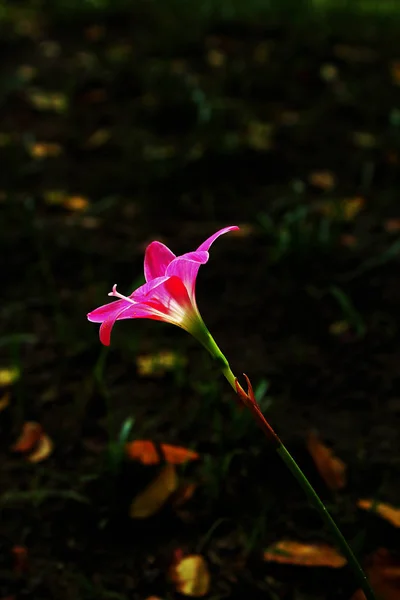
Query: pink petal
(206,245)
(106,311)
(156,260)
(108,323)
(147,289)
(186,267)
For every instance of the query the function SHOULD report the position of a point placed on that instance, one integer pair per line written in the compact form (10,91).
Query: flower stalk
(249,401)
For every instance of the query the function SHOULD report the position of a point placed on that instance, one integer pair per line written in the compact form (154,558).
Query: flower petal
(106,311)
(156,260)
(206,245)
(186,268)
(147,289)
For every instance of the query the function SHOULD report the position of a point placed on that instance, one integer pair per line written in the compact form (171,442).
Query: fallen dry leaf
(76,203)
(41,150)
(383,572)
(44,100)
(4,401)
(344,210)
(34,440)
(157,364)
(43,449)
(98,138)
(155,495)
(145,451)
(325,180)
(331,468)
(386,511)
(306,555)
(30,435)
(191,576)
(9,375)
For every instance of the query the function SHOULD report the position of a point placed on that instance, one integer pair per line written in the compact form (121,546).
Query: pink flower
(168,294)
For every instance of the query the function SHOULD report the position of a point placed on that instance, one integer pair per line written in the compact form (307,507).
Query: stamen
(118,295)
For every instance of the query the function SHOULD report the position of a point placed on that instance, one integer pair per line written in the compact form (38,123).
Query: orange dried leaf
(4,401)
(145,452)
(155,495)
(43,449)
(76,203)
(331,468)
(384,575)
(31,433)
(191,576)
(306,555)
(386,511)
(325,180)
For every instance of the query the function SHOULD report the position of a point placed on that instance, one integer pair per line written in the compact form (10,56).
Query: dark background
(125,122)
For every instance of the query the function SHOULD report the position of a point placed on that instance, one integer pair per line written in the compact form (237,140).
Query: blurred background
(131,472)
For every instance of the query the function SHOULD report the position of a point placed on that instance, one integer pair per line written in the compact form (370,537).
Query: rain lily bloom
(168,294)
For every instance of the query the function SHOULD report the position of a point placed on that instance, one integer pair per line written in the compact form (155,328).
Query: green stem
(208,341)
(316,501)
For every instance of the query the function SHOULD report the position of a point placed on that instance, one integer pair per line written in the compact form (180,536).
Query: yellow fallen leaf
(98,138)
(44,100)
(156,494)
(159,363)
(306,555)
(43,449)
(9,375)
(332,469)
(386,511)
(191,576)
(344,210)
(44,150)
